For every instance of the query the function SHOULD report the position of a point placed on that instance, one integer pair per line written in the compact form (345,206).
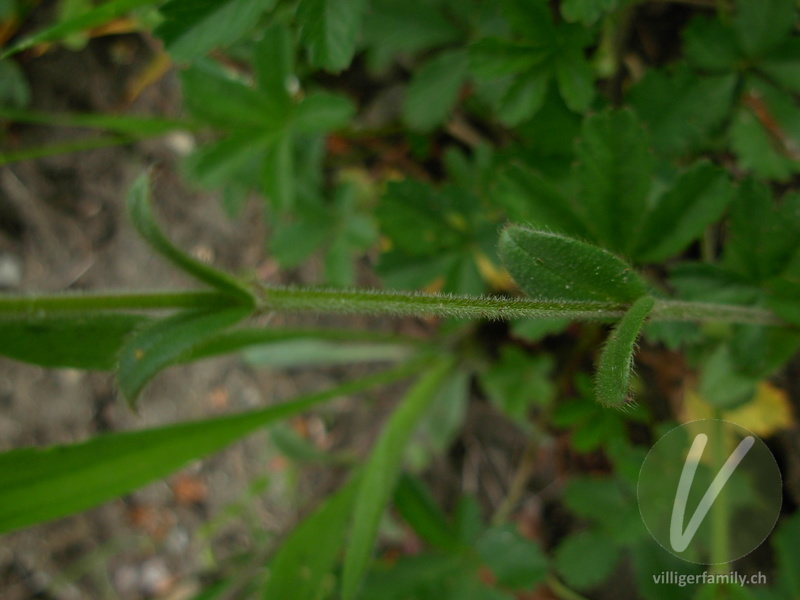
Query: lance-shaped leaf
(380,474)
(163,342)
(41,484)
(142,217)
(550,266)
(309,553)
(73,340)
(193,27)
(100,15)
(616,360)
(329,30)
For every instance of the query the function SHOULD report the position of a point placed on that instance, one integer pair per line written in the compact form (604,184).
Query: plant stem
(79,302)
(414,303)
(378,302)
(720,511)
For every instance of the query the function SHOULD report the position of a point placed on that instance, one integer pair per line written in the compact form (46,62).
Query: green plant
(649,207)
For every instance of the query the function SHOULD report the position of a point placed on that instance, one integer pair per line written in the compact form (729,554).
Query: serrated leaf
(216,164)
(515,562)
(759,351)
(532,19)
(518,381)
(616,360)
(575,78)
(142,217)
(586,11)
(607,502)
(492,57)
(760,24)
(322,112)
(586,559)
(307,556)
(162,343)
(530,198)
(380,473)
(721,384)
(765,131)
(614,169)
(696,200)
(278,174)
(41,484)
(763,237)
(434,89)
(783,65)
(273,63)
(391,27)
(549,266)
(78,341)
(706,282)
(783,298)
(329,30)
(682,109)
(193,27)
(219,100)
(711,45)
(524,97)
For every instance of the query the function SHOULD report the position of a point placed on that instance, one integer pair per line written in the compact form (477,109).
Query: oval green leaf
(549,266)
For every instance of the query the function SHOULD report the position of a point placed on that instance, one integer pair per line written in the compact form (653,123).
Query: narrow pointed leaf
(106,12)
(193,27)
(309,553)
(616,361)
(133,125)
(330,30)
(380,473)
(142,217)
(41,484)
(274,64)
(163,342)
(73,340)
(549,266)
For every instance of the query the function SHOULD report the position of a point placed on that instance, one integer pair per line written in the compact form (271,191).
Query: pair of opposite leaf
(546,266)
(550,266)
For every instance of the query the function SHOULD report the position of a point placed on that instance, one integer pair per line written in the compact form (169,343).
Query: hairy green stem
(83,302)
(386,303)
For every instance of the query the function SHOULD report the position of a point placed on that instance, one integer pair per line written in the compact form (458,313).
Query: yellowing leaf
(766,413)
(694,408)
